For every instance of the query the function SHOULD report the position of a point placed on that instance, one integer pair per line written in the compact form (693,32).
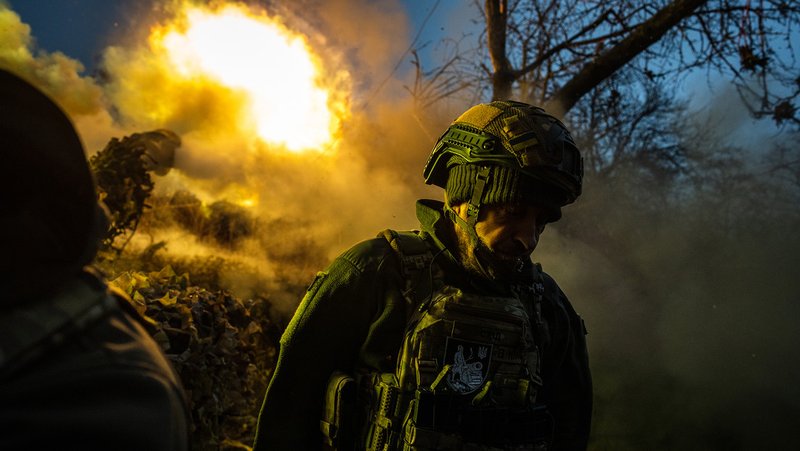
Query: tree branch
(610,61)
(566,43)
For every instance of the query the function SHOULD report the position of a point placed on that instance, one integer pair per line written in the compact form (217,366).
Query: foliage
(123,183)
(222,346)
(224,349)
(228,222)
(222,222)
(123,174)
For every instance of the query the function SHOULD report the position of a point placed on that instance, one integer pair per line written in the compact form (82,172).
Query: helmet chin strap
(474,206)
(482,251)
(473,209)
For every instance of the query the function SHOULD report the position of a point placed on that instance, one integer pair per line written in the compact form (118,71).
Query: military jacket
(103,385)
(354,317)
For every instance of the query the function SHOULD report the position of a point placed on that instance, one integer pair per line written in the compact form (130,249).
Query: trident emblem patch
(469,364)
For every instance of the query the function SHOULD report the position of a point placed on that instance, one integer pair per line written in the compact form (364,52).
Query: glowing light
(249,202)
(259,56)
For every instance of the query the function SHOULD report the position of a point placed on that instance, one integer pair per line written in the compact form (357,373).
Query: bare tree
(555,52)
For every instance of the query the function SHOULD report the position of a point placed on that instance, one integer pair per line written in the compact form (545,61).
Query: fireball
(275,68)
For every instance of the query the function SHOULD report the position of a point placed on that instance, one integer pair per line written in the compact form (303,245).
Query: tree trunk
(503,76)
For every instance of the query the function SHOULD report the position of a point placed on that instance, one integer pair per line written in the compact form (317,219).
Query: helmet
(513,135)
(49,215)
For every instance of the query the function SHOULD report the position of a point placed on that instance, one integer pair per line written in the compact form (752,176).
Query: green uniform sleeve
(324,335)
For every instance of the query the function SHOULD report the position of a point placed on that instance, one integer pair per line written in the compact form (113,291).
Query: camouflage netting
(123,174)
(223,347)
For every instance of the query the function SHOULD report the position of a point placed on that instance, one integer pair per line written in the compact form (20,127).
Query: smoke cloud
(321,201)
(59,76)
(690,302)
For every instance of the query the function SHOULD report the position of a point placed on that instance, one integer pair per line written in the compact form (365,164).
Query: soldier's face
(511,230)
(509,233)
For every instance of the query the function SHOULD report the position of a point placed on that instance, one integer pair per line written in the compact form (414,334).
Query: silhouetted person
(77,368)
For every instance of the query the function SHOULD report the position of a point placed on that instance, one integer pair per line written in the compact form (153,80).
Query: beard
(479,260)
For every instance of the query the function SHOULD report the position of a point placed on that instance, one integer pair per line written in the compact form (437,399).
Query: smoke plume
(690,299)
(323,200)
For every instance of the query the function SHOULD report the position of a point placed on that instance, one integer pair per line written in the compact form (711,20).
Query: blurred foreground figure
(449,337)
(77,369)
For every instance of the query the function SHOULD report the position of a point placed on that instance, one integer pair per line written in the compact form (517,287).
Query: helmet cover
(529,151)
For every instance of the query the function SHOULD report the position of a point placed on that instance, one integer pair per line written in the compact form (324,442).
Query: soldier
(448,337)
(77,368)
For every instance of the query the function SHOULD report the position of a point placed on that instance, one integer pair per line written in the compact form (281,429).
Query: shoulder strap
(28,331)
(413,251)
(532,296)
(541,290)
(416,263)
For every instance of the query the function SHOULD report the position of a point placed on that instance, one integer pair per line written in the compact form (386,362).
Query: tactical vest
(468,372)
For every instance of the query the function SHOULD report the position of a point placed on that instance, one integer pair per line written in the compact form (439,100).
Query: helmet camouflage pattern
(514,135)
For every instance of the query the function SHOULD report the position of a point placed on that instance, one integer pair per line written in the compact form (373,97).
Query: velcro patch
(479,116)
